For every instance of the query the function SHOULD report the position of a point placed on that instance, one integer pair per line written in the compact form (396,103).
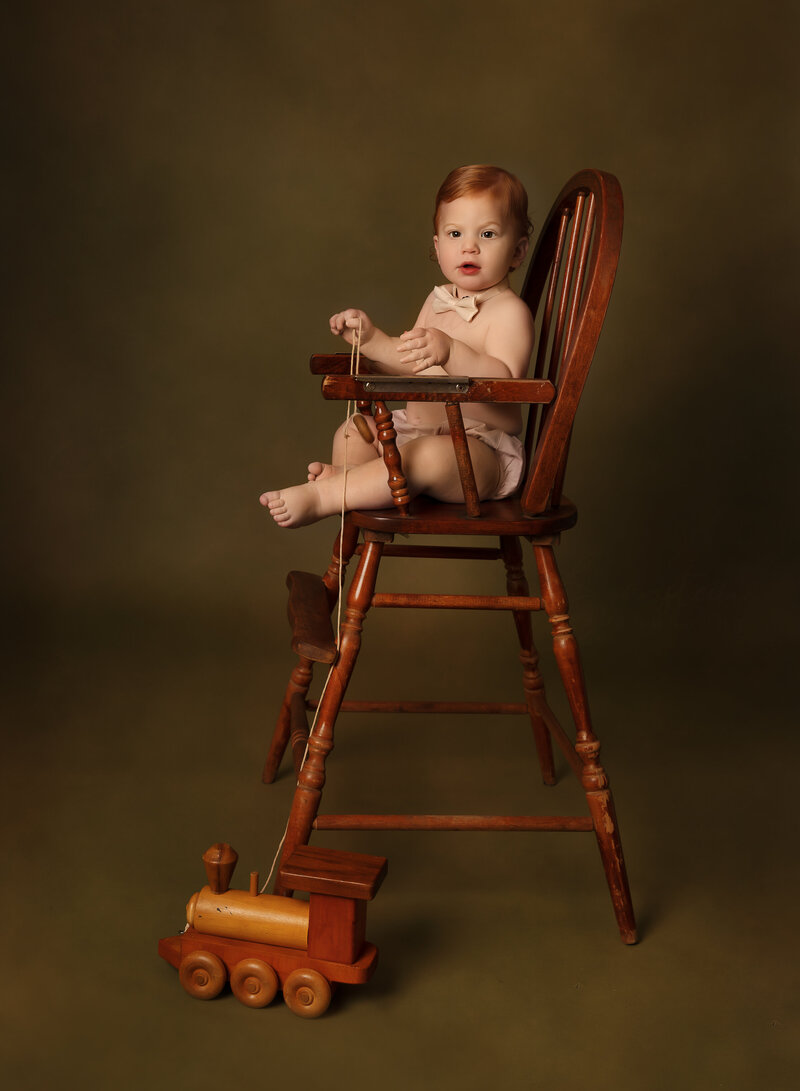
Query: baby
(474,325)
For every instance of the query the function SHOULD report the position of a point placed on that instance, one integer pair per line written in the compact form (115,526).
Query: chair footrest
(310,617)
(506,823)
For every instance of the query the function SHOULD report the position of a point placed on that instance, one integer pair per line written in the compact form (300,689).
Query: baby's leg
(366,486)
(348,446)
(429,464)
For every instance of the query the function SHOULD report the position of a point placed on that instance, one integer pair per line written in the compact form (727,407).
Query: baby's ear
(520,251)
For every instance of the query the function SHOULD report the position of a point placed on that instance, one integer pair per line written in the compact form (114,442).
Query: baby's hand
(423,347)
(346,324)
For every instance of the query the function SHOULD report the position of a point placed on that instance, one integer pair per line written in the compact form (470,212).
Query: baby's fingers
(410,345)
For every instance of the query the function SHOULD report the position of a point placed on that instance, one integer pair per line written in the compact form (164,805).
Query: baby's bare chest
(472,333)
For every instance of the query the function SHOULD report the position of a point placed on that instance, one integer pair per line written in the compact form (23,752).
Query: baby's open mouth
(470,267)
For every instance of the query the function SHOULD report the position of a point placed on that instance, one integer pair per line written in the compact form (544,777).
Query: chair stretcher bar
(457,602)
(500,708)
(455,822)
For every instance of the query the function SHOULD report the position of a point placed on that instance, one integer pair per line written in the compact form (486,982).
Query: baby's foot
(318,470)
(294,507)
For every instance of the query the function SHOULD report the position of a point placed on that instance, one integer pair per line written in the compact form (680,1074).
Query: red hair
(480,178)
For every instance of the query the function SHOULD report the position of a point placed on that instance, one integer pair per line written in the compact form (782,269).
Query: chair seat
(429,516)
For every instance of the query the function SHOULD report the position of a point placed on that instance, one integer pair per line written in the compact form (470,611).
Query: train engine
(262,942)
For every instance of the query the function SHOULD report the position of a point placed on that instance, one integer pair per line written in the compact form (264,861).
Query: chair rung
(456,822)
(502,708)
(445,553)
(458,602)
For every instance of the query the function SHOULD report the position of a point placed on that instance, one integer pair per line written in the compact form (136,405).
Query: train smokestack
(220,860)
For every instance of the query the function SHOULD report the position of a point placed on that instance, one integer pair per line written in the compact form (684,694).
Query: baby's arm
(377,346)
(506,352)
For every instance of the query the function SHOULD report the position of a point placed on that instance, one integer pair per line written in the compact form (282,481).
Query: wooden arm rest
(356,388)
(337,363)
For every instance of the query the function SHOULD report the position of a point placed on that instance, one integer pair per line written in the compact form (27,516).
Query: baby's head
(480,178)
(481,227)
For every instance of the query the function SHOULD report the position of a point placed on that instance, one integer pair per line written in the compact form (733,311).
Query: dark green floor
(135,742)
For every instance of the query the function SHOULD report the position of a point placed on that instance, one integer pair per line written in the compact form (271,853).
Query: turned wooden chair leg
(303,672)
(299,682)
(517,584)
(311,779)
(593,778)
(343,549)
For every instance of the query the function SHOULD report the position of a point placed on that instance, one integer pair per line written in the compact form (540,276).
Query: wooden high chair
(567,289)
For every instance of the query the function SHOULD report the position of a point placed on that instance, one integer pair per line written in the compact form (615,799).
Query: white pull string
(355,362)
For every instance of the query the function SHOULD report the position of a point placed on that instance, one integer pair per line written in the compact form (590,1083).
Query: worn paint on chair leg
(601,808)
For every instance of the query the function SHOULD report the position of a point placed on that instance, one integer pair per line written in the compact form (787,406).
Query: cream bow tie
(465,306)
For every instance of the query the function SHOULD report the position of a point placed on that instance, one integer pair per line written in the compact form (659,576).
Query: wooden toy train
(266,941)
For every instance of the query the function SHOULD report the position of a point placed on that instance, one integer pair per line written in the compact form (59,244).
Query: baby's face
(475,244)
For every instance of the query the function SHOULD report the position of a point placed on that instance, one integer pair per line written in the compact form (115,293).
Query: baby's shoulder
(511,302)
(508,308)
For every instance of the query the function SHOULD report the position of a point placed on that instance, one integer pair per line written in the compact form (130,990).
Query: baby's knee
(428,459)
(430,463)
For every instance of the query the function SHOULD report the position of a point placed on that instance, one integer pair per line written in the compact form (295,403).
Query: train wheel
(307,993)
(254,982)
(202,975)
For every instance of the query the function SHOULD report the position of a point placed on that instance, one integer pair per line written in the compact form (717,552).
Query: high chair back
(567,288)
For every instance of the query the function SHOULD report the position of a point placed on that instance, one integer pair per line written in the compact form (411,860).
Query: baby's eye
(488,234)
(454,234)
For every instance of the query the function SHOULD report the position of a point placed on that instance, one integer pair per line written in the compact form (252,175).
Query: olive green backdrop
(194,188)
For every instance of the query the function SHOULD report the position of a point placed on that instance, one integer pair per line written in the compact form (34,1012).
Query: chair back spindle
(567,289)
